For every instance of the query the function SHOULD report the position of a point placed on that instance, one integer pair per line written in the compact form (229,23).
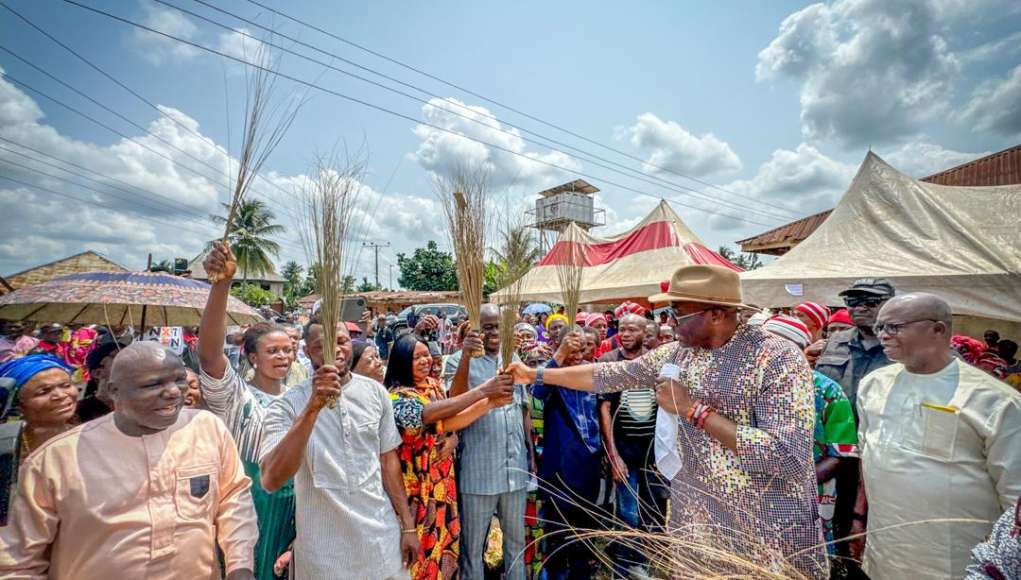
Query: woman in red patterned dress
(428,421)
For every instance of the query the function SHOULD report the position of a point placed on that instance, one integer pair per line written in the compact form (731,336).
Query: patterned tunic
(429,482)
(761,500)
(835,436)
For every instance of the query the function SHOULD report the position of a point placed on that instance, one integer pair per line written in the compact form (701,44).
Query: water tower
(559,206)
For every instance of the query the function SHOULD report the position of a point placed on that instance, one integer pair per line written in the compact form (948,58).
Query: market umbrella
(145,299)
(538,308)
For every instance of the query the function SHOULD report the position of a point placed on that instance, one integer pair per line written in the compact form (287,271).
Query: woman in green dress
(242,406)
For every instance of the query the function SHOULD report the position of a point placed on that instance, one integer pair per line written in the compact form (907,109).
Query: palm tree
(249,236)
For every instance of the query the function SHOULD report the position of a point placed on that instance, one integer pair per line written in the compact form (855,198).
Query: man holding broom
(746,492)
(495,459)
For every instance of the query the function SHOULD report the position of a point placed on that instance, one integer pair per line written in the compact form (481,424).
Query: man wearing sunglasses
(849,356)
(940,444)
(743,404)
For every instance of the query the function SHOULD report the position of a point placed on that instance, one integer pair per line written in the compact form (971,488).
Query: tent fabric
(627,266)
(960,243)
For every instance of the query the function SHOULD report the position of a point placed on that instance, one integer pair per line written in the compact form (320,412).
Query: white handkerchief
(668,460)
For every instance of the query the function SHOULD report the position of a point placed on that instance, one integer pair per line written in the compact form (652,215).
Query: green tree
(347,284)
(745,261)
(427,269)
(252,295)
(311,279)
(291,274)
(495,274)
(249,237)
(367,286)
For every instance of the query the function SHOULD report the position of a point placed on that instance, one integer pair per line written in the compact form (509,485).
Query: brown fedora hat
(705,284)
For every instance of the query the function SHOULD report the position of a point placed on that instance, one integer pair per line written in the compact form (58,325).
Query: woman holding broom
(242,406)
(428,421)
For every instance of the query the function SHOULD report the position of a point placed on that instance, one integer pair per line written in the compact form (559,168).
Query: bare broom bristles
(330,198)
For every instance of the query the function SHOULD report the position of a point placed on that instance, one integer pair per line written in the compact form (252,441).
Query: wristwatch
(540,374)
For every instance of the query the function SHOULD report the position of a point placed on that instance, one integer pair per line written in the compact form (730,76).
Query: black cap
(873,286)
(107,346)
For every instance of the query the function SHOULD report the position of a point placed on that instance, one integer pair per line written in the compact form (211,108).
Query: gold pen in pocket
(944,408)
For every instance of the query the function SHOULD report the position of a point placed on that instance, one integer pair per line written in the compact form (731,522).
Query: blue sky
(775,103)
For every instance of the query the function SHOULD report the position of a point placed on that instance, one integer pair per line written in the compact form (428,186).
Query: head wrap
(593,318)
(581,318)
(816,312)
(628,307)
(553,318)
(524,326)
(841,316)
(22,370)
(790,328)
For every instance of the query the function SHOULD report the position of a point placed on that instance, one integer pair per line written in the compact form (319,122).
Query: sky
(744,116)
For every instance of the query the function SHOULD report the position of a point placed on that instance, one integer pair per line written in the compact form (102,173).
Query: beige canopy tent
(628,266)
(961,243)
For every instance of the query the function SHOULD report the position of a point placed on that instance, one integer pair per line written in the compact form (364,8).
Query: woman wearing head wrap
(42,396)
(556,327)
(365,360)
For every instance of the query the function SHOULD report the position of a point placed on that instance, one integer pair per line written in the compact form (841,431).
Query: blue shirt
(494,452)
(571,451)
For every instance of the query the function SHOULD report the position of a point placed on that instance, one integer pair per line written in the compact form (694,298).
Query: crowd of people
(707,435)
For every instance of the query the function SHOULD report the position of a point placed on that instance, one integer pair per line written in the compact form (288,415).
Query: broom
(463,197)
(517,254)
(570,267)
(256,145)
(330,199)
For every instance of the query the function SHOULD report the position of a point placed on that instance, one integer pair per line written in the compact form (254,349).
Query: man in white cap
(745,413)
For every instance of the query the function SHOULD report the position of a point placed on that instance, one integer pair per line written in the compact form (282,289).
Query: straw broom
(517,254)
(330,199)
(570,267)
(463,196)
(257,145)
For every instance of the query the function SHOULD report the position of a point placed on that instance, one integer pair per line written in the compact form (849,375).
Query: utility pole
(390,281)
(376,246)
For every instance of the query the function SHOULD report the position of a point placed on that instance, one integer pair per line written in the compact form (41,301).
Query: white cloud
(995,106)
(870,71)
(241,44)
(803,181)
(127,225)
(671,147)
(159,49)
(441,152)
(921,159)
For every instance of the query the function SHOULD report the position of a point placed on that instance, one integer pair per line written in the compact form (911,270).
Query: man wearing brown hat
(744,402)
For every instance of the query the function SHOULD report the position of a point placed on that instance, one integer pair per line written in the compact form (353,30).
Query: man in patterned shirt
(745,407)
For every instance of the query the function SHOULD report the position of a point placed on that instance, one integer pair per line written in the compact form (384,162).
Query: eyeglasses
(867,301)
(894,328)
(678,320)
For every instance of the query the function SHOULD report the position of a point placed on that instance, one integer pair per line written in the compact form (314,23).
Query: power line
(398,114)
(586,156)
(179,208)
(490,100)
(113,79)
(122,135)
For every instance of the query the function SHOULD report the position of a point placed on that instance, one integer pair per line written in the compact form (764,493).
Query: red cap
(841,316)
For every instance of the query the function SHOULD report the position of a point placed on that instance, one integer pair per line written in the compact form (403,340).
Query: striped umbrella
(141,299)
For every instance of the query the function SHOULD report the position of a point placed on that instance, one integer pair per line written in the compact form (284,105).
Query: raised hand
(326,386)
(220,264)
(472,342)
(570,346)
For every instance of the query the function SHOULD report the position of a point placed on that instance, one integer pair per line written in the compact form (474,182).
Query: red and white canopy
(628,266)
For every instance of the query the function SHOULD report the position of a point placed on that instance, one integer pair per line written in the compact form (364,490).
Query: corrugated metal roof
(1002,168)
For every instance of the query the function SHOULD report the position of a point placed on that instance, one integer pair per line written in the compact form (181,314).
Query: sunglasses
(678,320)
(867,301)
